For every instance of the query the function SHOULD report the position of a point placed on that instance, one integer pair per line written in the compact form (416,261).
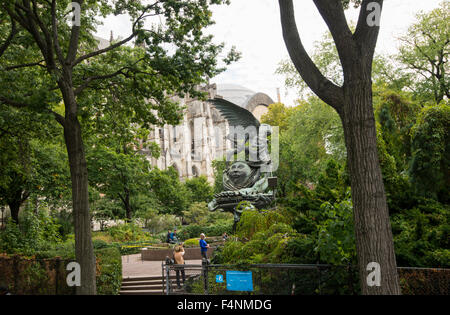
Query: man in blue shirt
(203,246)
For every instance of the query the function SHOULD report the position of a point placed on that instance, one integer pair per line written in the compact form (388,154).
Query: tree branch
(58,50)
(113,46)
(332,11)
(12,103)
(330,93)
(8,41)
(59,118)
(24,65)
(87,81)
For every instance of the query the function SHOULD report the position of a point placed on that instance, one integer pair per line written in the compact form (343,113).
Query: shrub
(35,232)
(99,244)
(109,271)
(192,242)
(192,231)
(127,232)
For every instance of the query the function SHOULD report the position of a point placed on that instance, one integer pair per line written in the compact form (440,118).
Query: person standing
(203,246)
(168,238)
(174,236)
(179,261)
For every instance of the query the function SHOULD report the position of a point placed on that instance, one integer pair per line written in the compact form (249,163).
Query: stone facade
(191,146)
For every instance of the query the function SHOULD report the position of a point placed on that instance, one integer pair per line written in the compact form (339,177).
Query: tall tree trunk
(84,250)
(353,102)
(374,242)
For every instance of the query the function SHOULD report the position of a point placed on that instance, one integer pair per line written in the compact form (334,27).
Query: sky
(254,28)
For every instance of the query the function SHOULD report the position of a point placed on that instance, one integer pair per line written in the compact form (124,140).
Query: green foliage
(192,242)
(196,214)
(421,234)
(313,135)
(109,271)
(396,114)
(253,221)
(424,50)
(264,238)
(36,232)
(199,189)
(335,240)
(219,167)
(162,223)
(193,231)
(127,232)
(170,192)
(277,115)
(431,153)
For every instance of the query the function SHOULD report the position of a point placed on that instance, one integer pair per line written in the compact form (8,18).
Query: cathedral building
(200,138)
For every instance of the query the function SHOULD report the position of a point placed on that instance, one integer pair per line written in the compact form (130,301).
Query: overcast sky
(254,27)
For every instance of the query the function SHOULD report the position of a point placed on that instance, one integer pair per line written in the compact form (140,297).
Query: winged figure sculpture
(243,180)
(246,128)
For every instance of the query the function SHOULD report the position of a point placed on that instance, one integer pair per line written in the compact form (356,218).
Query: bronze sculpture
(247,179)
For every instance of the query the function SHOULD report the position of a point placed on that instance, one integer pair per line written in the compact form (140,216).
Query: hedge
(47,276)
(193,230)
(109,271)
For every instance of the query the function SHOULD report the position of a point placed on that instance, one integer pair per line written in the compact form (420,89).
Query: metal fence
(295,279)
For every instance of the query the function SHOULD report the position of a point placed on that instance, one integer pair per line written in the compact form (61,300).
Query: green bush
(127,232)
(99,244)
(192,242)
(109,277)
(192,231)
(36,232)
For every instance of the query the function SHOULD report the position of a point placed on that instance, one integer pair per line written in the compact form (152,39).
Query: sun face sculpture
(239,175)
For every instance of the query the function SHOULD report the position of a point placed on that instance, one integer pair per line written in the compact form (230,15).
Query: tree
(31,159)
(199,189)
(169,191)
(70,67)
(431,152)
(277,115)
(120,175)
(425,49)
(353,103)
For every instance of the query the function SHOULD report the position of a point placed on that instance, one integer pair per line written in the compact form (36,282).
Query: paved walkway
(133,266)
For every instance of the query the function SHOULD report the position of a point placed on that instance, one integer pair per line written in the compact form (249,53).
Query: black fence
(295,279)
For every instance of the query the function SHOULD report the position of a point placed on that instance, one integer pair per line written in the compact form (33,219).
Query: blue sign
(239,281)
(219,278)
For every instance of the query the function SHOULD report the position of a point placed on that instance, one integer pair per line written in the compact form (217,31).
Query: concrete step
(141,292)
(145,282)
(142,287)
(145,278)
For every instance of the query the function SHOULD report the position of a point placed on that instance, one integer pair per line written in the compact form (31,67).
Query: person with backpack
(178,262)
